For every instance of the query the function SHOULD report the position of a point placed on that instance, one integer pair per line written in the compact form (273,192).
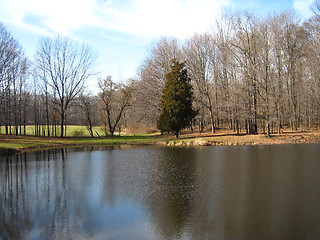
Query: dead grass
(222,137)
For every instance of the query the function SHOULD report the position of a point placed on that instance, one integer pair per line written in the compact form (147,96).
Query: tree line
(251,74)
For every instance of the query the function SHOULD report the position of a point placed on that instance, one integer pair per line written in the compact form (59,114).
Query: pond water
(225,192)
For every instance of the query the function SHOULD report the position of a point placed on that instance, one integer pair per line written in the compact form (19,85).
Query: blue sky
(121,31)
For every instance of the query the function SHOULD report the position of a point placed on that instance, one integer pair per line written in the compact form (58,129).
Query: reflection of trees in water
(43,195)
(10,215)
(255,193)
(109,181)
(171,202)
(160,180)
(209,193)
(225,193)
(35,198)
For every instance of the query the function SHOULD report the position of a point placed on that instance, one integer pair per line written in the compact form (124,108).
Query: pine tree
(176,100)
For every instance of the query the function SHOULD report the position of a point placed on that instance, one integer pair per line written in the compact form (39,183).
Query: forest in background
(250,74)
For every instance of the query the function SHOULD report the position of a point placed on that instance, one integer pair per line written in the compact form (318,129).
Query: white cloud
(107,24)
(303,7)
(179,18)
(62,16)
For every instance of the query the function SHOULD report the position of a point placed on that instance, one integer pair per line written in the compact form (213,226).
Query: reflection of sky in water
(117,222)
(242,192)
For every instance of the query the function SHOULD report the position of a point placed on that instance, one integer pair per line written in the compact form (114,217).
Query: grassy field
(12,143)
(18,143)
(72,131)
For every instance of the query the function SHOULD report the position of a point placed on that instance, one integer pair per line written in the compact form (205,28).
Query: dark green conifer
(176,100)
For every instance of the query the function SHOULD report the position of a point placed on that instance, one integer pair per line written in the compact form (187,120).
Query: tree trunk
(237,126)
(213,129)
(62,126)
(268,129)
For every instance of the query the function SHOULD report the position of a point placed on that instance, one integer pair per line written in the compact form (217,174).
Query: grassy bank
(13,143)
(20,143)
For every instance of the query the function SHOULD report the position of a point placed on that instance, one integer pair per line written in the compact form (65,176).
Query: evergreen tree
(176,100)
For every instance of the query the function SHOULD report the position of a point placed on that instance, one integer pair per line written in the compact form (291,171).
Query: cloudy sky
(121,31)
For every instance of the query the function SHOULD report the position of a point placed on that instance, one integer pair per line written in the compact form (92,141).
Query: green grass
(76,136)
(19,143)
(72,131)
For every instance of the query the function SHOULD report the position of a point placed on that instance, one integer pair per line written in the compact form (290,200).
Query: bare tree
(245,50)
(116,98)
(200,51)
(293,43)
(89,106)
(316,7)
(64,66)
(312,68)
(13,72)
(151,77)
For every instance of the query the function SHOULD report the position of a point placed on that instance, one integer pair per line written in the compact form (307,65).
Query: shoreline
(229,139)
(11,144)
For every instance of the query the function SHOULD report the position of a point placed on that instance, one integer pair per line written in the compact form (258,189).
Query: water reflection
(248,192)
(171,201)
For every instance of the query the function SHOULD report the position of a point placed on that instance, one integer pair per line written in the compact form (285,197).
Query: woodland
(250,74)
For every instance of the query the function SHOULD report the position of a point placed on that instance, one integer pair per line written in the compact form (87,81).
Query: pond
(225,192)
